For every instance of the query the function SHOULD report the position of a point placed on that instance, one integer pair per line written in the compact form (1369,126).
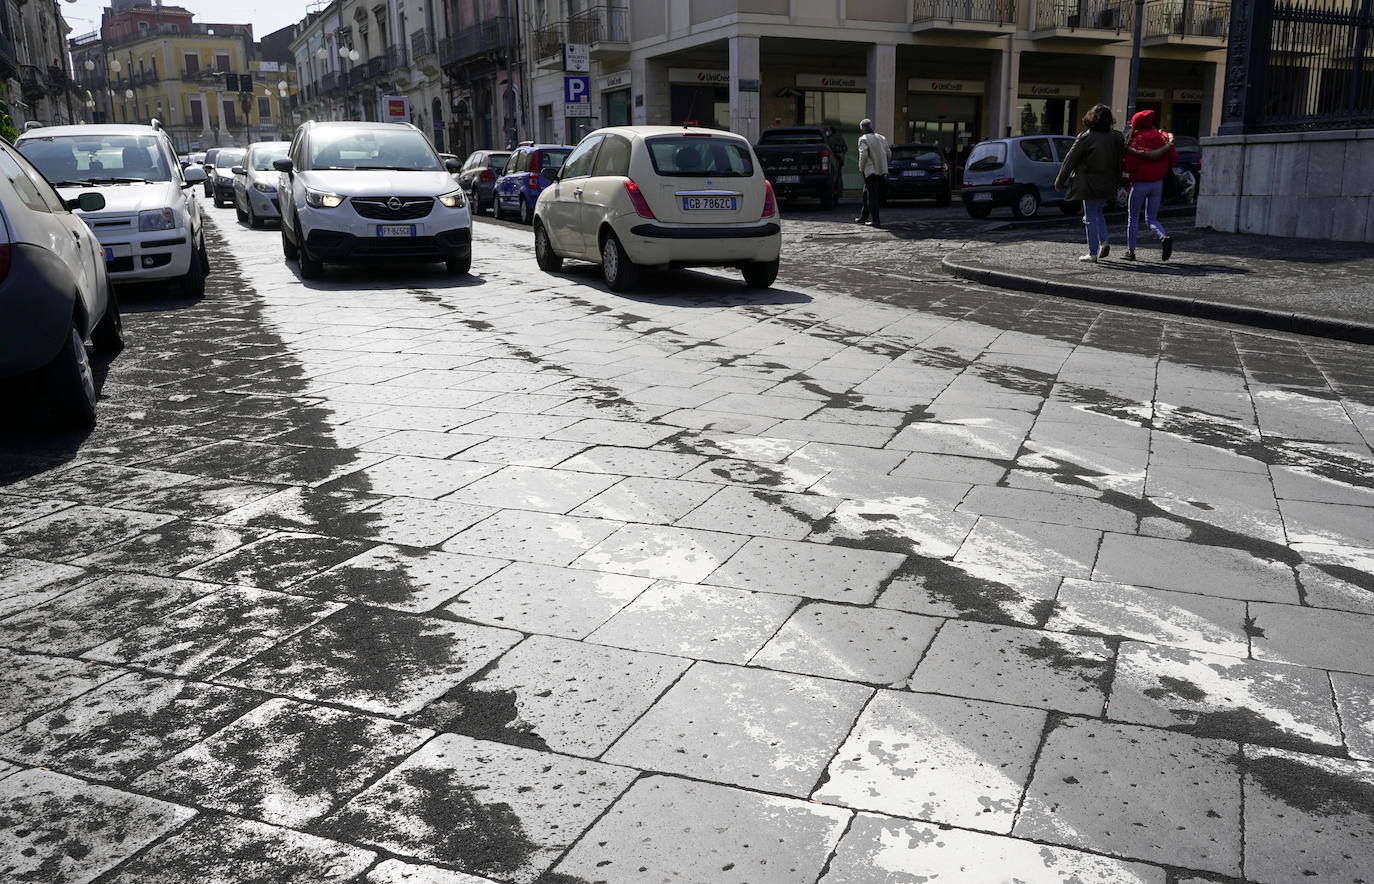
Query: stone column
(1116,88)
(744,87)
(1001,98)
(649,98)
(882,89)
(1213,90)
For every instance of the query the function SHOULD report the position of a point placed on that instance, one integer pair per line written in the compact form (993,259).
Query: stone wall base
(1315,185)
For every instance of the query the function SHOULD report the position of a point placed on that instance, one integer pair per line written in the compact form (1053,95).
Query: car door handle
(577,192)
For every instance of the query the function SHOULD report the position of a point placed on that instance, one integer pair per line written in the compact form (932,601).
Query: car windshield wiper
(70,183)
(117,180)
(392,169)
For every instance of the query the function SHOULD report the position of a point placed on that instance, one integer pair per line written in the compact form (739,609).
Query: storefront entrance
(707,106)
(843,110)
(617,107)
(1047,116)
(949,121)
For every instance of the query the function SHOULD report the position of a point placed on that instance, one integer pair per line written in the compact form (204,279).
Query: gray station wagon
(1016,172)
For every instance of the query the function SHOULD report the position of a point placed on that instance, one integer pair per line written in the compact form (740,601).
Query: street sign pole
(1135,59)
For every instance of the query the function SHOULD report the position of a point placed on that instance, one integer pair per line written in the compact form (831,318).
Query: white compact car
(150,227)
(255,183)
(658,196)
(358,193)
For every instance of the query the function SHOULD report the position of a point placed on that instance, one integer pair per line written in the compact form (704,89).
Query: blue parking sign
(576,90)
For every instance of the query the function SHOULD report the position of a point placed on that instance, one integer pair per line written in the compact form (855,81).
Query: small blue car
(1018,173)
(518,188)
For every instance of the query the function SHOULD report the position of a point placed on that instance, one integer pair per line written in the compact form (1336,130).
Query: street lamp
(1135,59)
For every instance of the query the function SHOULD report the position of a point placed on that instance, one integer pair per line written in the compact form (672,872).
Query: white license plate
(718,203)
(395,229)
(112,252)
(982,197)
(789,179)
(912,173)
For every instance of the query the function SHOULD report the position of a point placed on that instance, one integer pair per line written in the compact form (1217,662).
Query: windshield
(917,153)
(228,159)
(263,156)
(693,156)
(82,159)
(792,136)
(497,160)
(552,159)
(988,155)
(403,150)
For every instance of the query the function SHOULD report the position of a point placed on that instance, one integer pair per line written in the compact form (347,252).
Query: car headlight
(319,199)
(264,187)
(454,199)
(157,219)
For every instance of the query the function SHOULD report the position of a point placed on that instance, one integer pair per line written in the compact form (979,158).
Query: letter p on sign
(576,89)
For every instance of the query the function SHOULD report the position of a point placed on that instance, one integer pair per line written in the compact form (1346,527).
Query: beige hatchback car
(632,197)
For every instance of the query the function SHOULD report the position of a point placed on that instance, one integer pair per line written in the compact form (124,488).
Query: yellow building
(162,65)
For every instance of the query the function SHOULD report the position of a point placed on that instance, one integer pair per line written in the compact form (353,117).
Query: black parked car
(919,172)
(478,177)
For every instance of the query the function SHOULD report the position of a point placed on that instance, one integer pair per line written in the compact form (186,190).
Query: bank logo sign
(1050,90)
(948,87)
(834,82)
(701,78)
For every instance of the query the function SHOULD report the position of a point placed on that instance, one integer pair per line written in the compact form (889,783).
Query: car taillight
(825,160)
(487,175)
(770,202)
(999,181)
(4,260)
(533,182)
(637,199)
(534,164)
(968,183)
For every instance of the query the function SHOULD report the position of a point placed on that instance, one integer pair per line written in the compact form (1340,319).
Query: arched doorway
(437,122)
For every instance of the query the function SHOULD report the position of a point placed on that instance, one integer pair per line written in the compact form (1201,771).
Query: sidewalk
(1304,286)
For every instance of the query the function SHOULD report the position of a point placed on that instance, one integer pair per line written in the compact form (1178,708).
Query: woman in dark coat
(1091,173)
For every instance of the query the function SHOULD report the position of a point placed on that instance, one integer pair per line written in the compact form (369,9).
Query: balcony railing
(1073,15)
(1187,18)
(495,35)
(356,75)
(993,12)
(329,82)
(421,43)
(600,24)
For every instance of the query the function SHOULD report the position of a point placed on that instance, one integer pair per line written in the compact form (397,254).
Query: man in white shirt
(873,157)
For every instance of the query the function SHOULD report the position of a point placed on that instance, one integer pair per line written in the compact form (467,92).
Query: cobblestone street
(878,576)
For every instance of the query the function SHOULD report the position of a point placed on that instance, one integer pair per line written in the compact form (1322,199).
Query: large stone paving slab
(76,532)
(872,645)
(393,871)
(58,828)
(701,622)
(813,570)
(173,548)
(526,536)
(30,683)
(1176,619)
(377,660)
(1192,567)
(485,808)
(941,759)
(664,553)
(667,829)
(1355,700)
(285,762)
(757,729)
(547,599)
(896,851)
(400,578)
(1313,637)
(278,561)
(1138,793)
(28,582)
(226,850)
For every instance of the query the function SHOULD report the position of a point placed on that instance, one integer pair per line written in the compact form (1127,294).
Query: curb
(1077,220)
(1259,317)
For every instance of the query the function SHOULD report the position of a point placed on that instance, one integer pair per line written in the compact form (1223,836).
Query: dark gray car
(478,176)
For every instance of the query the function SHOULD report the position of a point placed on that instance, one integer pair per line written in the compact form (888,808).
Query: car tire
(253,220)
(311,267)
(288,248)
(459,266)
(760,274)
(548,260)
(526,213)
(977,211)
(1026,204)
(620,273)
(69,385)
(108,334)
(496,208)
(240,213)
(192,284)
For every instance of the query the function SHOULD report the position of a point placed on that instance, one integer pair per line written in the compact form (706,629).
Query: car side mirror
(239,170)
(454,166)
(283,165)
(194,175)
(548,176)
(87,202)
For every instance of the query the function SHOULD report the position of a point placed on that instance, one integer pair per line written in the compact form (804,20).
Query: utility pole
(1135,59)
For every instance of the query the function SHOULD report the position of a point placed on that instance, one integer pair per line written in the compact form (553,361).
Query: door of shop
(1187,118)
(843,110)
(950,121)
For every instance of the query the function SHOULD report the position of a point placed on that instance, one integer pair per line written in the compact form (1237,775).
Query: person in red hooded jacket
(1149,156)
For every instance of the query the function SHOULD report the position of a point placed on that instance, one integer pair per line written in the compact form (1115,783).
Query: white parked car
(221,173)
(358,193)
(150,226)
(631,197)
(255,183)
(54,292)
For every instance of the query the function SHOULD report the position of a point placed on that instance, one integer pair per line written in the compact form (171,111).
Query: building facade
(35,67)
(484,59)
(937,71)
(360,60)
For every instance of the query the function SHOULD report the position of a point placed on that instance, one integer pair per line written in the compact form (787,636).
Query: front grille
(411,207)
(107,222)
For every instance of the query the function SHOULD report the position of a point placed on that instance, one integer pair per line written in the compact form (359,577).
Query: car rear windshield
(793,136)
(399,150)
(553,159)
(908,153)
(694,156)
(988,155)
(97,158)
(228,159)
(264,156)
(498,160)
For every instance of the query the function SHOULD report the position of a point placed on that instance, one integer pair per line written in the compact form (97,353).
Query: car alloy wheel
(524,210)
(544,255)
(1027,205)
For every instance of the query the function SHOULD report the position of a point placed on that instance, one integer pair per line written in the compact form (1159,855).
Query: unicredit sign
(955,87)
(829,81)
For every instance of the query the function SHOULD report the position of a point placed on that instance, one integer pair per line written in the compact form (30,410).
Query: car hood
(121,199)
(378,182)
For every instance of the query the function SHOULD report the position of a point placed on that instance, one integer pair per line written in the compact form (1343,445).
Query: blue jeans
(1096,221)
(1147,195)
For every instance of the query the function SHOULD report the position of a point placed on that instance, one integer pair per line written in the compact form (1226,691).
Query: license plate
(982,197)
(120,251)
(109,254)
(789,179)
(690,203)
(395,229)
(912,173)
